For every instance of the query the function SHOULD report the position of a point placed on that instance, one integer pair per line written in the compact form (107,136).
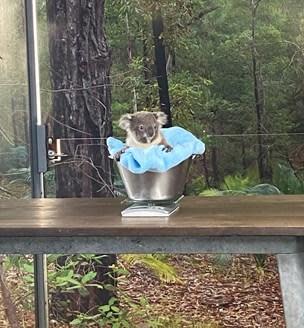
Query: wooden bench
(262,225)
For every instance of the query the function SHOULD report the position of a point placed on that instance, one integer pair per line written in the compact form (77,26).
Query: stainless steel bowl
(155,185)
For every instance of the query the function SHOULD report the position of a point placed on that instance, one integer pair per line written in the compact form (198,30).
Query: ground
(212,292)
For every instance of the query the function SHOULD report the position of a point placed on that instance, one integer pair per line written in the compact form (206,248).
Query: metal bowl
(155,186)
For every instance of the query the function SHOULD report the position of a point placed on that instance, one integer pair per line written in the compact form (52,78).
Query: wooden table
(261,224)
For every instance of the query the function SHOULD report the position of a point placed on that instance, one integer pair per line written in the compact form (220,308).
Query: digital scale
(150,208)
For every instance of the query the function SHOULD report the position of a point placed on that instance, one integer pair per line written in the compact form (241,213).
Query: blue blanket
(139,160)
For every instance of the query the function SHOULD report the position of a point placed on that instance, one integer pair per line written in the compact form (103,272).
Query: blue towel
(139,160)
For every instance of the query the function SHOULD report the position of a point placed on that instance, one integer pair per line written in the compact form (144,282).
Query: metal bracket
(54,154)
(41,148)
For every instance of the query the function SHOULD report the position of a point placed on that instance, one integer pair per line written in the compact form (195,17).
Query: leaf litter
(236,294)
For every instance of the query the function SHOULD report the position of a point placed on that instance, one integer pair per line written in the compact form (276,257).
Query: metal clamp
(54,153)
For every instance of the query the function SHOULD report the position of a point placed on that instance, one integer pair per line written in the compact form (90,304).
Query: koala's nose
(150,132)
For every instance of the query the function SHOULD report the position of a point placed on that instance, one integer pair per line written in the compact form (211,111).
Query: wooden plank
(213,216)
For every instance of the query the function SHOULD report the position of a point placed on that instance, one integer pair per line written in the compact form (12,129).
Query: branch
(255,4)
(202,14)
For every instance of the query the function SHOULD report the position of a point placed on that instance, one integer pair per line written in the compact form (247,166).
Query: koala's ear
(124,121)
(161,118)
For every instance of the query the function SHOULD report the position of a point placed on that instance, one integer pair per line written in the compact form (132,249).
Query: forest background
(242,93)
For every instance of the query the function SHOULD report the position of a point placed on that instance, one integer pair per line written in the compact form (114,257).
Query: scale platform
(151,208)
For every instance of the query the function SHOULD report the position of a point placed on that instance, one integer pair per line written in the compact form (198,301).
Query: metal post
(40,268)
(291,269)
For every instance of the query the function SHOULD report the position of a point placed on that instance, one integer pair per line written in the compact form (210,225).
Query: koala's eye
(141,127)
(155,126)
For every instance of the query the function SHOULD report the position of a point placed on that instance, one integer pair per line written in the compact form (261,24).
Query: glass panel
(15,180)
(14,134)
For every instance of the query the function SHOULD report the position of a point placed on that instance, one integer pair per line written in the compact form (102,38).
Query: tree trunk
(263,156)
(147,79)
(130,60)
(80,68)
(214,165)
(214,162)
(206,171)
(243,149)
(160,63)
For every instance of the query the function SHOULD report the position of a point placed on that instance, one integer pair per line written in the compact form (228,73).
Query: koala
(143,130)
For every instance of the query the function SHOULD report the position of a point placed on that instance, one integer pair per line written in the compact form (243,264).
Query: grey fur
(143,130)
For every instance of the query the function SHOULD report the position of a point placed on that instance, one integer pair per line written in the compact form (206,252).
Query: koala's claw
(167,148)
(117,156)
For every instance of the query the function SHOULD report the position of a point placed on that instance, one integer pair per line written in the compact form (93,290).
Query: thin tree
(263,155)
(161,62)
(80,68)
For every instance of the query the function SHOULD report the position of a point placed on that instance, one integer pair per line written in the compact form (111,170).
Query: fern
(238,182)
(286,180)
(211,192)
(160,267)
(260,189)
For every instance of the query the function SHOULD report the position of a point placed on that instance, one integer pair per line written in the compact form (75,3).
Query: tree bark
(214,162)
(263,156)
(206,171)
(146,70)
(80,68)
(130,60)
(161,63)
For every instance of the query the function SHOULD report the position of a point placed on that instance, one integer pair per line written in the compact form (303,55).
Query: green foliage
(261,189)
(23,268)
(195,186)
(75,275)
(68,278)
(189,93)
(108,315)
(159,266)
(210,72)
(14,157)
(264,189)
(287,181)
(222,261)
(50,183)
(241,186)
(238,182)
(260,260)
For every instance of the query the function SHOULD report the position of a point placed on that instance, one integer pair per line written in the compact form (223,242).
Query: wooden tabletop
(198,216)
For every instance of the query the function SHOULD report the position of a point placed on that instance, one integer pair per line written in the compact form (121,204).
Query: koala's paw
(167,148)
(117,155)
